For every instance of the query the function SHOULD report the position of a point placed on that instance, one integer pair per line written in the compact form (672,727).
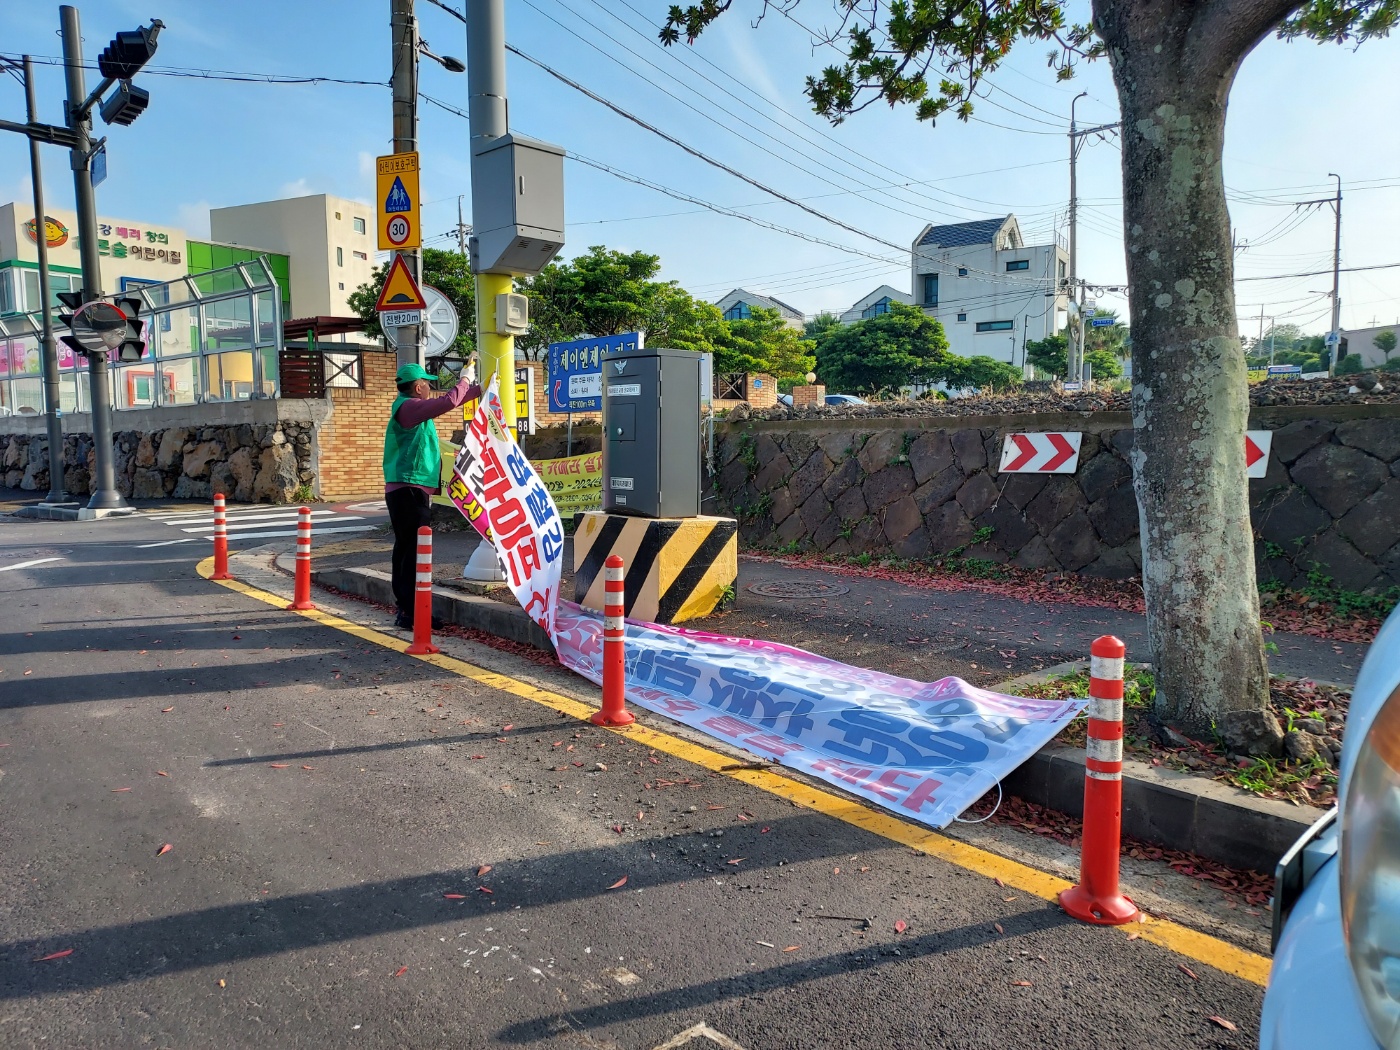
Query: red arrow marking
(1252,452)
(1028,452)
(1066,450)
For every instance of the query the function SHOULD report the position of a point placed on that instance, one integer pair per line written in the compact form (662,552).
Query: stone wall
(917,489)
(251,451)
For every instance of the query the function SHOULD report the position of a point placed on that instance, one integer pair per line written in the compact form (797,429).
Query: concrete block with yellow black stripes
(677,568)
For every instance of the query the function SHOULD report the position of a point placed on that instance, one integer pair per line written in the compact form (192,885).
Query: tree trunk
(1190,392)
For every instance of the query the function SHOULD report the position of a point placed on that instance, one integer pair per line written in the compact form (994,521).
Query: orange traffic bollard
(302,594)
(423,597)
(220,541)
(1096,898)
(614,712)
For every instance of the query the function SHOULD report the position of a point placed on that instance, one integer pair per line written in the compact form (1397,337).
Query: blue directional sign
(575,371)
(1102,322)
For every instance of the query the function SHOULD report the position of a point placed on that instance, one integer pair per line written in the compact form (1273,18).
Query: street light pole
(1072,355)
(49,352)
(404,82)
(104,489)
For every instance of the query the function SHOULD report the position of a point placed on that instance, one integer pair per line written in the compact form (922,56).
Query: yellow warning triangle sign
(400,290)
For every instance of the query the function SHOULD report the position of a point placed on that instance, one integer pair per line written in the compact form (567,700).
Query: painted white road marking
(290,532)
(167,543)
(699,1031)
(265,524)
(206,519)
(28,564)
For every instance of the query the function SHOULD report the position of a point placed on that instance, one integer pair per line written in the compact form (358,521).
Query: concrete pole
(1336,283)
(404,82)
(104,483)
(489,112)
(486,87)
(49,352)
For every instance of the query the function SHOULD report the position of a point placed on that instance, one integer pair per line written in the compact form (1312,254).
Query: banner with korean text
(924,751)
(515,512)
(575,483)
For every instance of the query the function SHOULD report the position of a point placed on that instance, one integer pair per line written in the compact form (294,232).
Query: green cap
(411,373)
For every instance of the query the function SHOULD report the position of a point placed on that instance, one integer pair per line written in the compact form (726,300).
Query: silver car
(1336,975)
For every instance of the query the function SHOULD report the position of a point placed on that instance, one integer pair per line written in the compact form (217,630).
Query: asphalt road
(367,850)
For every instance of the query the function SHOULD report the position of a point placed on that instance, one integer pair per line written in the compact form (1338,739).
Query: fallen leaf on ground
(1134,935)
(836,871)
(164,850)
(222,984)
(763,831)
(619,883)
(507,728)
(478,756)
(736,860)
(1229,1026)
(401,971)
(617,828)
(599,765)
(162,773)
(765,944)
(278,765)
(999,882)
(863,869)
(997,926)
(28,672)
(900,926)
(276,725)
(1008,900)
(454,896)
(121,789)
(163,710)
(792,947)
(485,889)
(713,806)
(55,955)
(308,767)
(1187,971)
(482,870)
(1023,984)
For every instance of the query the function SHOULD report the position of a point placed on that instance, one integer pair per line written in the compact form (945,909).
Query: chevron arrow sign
(1257,444)
(1052,453)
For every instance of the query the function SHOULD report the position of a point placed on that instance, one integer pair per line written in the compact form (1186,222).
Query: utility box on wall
(651,424)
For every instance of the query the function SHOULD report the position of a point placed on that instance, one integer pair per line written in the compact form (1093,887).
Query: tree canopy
(884,352)
(981,373)
(1051,355)
(763,342)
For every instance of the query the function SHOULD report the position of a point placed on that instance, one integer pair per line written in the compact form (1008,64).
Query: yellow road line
(1201,947)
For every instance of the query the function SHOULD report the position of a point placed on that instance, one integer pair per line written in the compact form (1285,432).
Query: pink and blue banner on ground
(924,750)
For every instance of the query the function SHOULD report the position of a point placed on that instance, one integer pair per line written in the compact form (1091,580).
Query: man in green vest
(413,470)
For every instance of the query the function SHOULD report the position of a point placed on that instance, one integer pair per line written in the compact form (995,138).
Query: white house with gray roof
(992,292)
(740,302)
(872,304)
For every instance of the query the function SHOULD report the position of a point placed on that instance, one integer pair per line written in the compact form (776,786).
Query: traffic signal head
(126,104)
(129,51)
(132,347)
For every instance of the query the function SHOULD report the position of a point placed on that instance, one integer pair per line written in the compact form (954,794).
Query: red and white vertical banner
(524,524)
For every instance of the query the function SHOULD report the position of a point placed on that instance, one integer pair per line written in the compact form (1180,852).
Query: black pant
(409,510)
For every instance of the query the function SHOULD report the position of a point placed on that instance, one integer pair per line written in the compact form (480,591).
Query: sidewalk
(923,633)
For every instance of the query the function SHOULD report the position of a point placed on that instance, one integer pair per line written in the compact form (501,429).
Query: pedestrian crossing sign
(396,197)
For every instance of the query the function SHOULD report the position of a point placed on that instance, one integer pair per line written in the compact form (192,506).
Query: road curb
(1164,806)
(464,610)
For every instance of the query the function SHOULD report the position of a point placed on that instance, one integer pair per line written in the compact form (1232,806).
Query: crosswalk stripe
(197,519)
(266,524)
(288,532)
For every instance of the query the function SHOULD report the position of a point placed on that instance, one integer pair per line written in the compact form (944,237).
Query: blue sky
(1298,111)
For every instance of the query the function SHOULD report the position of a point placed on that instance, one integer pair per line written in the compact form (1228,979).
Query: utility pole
(1075,354)
(462,229)
(78,115)
(49,352)
(1335,335)
(404,83)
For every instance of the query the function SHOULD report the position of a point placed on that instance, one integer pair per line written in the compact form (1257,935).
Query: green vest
(411,456)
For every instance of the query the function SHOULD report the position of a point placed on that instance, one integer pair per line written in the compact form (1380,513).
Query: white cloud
(194,218)
(367,167)
(299,188)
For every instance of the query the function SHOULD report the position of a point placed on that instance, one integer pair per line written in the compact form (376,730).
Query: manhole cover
(798,589)
(35,552)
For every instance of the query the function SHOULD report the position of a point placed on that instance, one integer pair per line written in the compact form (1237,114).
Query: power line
(1320,273)
(192,72)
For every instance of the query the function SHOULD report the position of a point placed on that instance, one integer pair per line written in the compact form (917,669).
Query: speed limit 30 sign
(396,198)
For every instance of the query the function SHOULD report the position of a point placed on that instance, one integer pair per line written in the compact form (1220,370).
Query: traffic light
(132,346)
(70,301)
(129,51)
(126,104)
